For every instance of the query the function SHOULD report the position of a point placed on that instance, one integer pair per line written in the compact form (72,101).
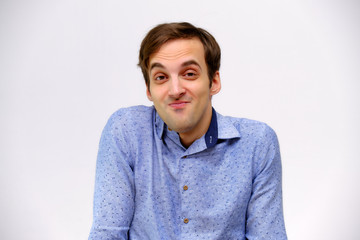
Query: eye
(160,77)
(190,74)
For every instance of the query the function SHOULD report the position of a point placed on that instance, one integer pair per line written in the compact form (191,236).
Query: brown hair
(162,33)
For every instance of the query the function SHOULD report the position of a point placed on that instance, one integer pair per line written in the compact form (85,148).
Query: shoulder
(130,120)
(259,140)
(131,113)
(256,128)
(134,115)
(246,128)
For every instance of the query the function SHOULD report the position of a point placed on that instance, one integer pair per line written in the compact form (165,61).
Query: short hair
(165,32)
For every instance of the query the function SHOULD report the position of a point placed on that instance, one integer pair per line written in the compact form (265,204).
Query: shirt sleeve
(114,186)
(265,211)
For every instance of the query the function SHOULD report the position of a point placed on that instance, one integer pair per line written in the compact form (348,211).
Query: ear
(148,94)
(216,84)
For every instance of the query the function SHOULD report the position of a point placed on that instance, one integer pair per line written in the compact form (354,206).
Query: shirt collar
(226,128)
(211,136)
(159,124)
(220,128)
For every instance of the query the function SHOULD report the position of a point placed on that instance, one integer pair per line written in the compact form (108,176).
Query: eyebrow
(154,65)
(191,62)
(185,64)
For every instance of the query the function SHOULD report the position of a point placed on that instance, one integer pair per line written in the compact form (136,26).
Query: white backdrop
(65,66)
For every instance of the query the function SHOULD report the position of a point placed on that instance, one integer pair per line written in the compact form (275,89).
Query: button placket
(186,198)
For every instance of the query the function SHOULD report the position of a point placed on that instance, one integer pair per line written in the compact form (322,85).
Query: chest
(209,188)
(223,172)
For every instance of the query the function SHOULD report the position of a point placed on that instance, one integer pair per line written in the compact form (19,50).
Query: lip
(178,104)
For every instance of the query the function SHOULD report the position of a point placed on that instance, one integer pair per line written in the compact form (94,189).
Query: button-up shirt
(225,185)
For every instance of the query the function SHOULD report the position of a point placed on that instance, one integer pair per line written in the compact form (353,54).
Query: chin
(179,124)
(180,128)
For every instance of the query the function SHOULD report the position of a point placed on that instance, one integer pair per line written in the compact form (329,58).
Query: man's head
(163,33)
(179,63)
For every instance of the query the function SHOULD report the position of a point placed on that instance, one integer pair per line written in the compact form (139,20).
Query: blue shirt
(226,185)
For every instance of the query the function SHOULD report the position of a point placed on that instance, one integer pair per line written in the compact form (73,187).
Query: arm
(114,186)
(265,212)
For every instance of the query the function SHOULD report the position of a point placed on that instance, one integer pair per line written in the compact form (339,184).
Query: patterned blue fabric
(148,186)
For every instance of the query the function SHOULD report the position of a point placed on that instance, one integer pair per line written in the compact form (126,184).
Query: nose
(176,90)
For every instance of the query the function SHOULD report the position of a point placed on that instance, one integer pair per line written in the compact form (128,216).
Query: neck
(188,137)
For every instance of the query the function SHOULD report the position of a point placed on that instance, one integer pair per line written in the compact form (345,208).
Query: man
(180,170)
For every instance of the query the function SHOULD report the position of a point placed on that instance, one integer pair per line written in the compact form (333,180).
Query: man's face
(179,86)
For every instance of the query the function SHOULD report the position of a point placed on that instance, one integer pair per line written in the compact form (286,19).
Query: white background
(65,66)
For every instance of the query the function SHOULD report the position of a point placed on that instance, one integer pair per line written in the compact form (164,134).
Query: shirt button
(184,157)
(186,220)
(185,188)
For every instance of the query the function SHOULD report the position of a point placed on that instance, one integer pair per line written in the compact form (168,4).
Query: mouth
(178,104)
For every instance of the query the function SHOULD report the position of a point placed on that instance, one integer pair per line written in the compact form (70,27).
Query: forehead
(179,49)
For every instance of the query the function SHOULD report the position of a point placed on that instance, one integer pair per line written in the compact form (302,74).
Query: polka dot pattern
(148,186)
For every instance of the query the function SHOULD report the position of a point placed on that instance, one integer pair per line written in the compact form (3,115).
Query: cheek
(202,92)
(158,94)
(197,88)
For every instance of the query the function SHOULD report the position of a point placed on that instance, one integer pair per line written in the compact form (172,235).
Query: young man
(180,170)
